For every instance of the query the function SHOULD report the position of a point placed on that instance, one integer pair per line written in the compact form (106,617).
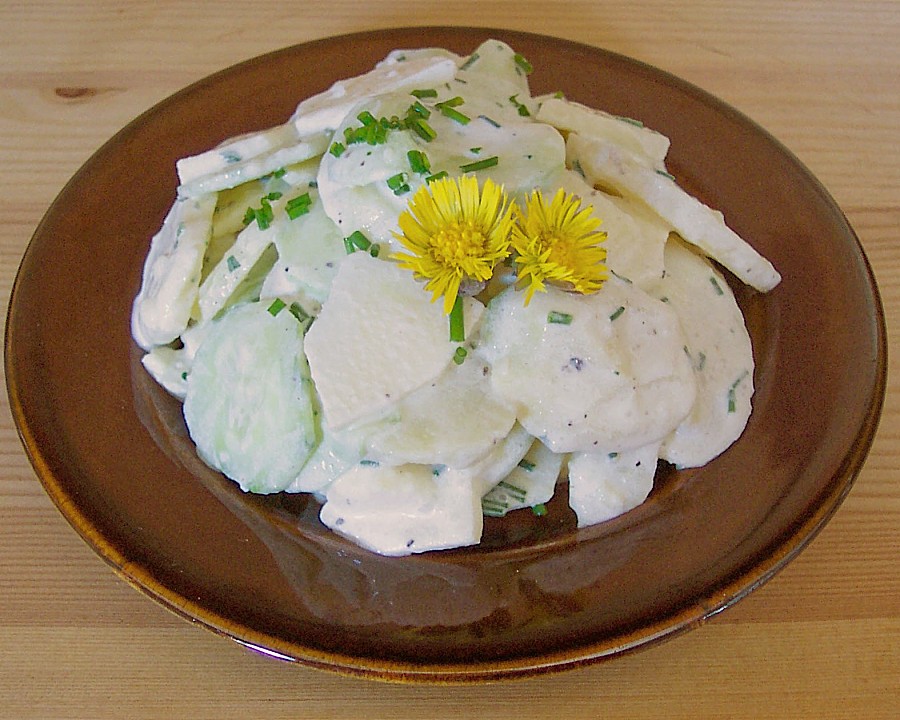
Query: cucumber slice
(647,146)
(248,404)
(325,111)
(310,250)
(607,164)
(162,308)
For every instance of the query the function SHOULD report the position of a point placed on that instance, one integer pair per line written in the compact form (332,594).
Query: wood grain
(820,640)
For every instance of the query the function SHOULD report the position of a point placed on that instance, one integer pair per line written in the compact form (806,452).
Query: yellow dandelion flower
(455,230)
(560,244)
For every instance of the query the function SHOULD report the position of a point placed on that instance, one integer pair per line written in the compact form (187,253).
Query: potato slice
(605,485)
(589,372)
(721,354)
(635,238)
(405,509)
(453,420)
(378,338)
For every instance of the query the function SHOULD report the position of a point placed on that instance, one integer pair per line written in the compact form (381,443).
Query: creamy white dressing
(307,369)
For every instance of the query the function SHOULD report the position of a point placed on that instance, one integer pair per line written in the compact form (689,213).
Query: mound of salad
(430,296)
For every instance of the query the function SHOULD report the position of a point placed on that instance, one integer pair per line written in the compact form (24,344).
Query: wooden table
(821,640)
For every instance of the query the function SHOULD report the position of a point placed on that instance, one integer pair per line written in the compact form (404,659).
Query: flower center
(561,250)
(457,242)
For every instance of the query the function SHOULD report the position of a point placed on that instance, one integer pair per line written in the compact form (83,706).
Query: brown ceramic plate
(112,452)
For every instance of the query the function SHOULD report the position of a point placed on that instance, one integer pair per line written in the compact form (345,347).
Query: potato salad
(431,296)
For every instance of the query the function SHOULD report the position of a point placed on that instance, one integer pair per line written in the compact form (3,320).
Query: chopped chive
(366,118)
(559,95)
(298,312)
(374,249)
(475,150)
(337,149)
(232,263)
(277,306)
(279,173)
(619,310)
(437,176)
(298,206)
(630,121)
(418,109)
(230,157)
(493,508)
(457,324)
(521,107)
(459,357)
(424,93)
(489,121)
(398,183)
(559,318)
(422,129)
(613,455)
(454,114)
(299,201)
(515,492)
(470,61)
(349,247)
(666,174)
(732,392)
(369,463)
(715,284)
(452,102)
(576,166)
(523,64)
(526,465)
(539,510)
(296,211)
(480,164)
(418,161)
(358,240)
(263,214)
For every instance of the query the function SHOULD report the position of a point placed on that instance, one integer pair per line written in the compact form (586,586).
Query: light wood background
(821,640)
